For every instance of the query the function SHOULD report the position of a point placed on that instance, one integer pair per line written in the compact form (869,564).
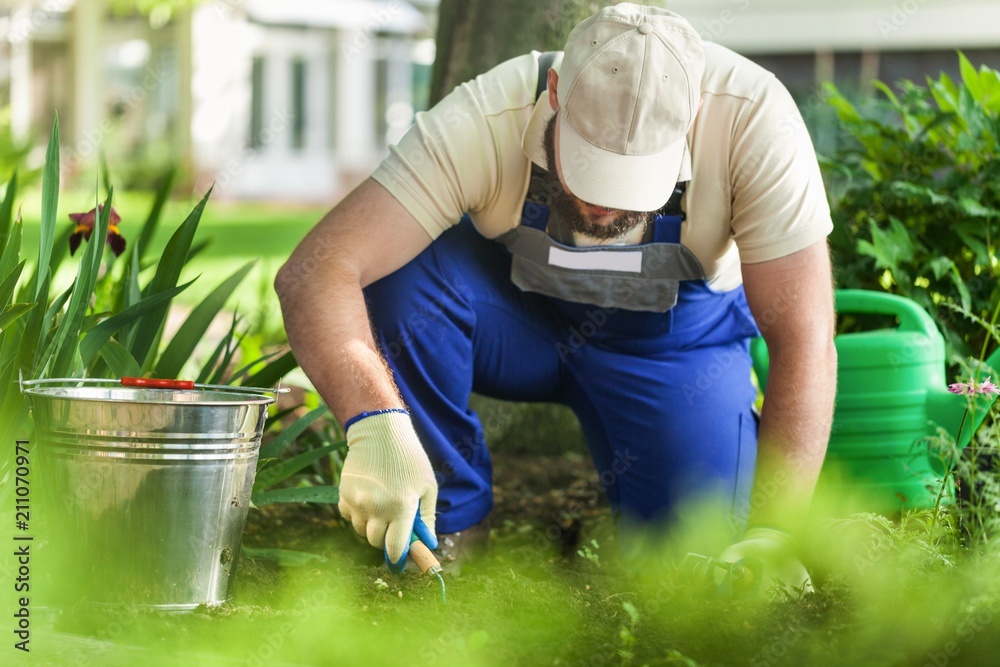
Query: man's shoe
(463,546)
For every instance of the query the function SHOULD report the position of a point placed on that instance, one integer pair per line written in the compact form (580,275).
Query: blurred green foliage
(915,194)
(890,593)
(14,151)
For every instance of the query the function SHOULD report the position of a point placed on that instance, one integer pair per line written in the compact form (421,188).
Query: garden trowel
(740,579)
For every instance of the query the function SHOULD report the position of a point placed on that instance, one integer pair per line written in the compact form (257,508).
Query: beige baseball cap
(629,89)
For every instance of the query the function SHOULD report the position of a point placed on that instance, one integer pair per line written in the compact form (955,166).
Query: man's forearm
(794,432)
(324,308)
(333,343)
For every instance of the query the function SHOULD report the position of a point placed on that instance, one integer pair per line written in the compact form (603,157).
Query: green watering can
(891,394)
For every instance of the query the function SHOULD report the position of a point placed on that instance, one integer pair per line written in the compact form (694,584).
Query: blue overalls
(653,362)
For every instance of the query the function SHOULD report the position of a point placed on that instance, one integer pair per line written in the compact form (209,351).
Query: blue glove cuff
(371,413)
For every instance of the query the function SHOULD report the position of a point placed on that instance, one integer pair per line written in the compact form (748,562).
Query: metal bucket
(146,490)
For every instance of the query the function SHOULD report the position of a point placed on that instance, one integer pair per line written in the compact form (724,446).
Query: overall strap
(536,210)
(667,225)
(545,61)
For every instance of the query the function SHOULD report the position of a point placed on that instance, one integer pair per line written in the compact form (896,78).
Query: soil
(559,496)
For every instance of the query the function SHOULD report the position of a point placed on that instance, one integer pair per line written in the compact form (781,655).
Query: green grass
(888,594)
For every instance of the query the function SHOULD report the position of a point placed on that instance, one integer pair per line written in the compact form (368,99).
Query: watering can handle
(911,316)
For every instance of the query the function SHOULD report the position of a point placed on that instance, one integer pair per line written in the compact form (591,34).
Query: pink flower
(971,388)
(987,387)
(961,388)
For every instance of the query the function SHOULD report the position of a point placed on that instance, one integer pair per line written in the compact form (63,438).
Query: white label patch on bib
(601,260)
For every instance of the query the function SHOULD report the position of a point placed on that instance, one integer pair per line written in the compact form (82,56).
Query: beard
(565,204)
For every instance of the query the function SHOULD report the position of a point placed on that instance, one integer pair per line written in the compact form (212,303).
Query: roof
(784,26)
(372,16)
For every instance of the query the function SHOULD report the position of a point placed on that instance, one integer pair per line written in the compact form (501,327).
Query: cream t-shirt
(755,191)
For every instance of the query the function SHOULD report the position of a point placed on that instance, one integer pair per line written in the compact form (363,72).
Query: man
(635,209)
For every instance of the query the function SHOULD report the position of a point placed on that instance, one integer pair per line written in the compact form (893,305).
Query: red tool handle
(154,383)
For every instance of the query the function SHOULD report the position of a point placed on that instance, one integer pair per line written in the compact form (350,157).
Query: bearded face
(599,223)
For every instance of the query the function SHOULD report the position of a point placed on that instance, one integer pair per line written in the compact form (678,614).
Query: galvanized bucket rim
(240,395)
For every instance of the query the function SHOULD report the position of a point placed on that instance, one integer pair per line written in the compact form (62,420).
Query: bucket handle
(154,383)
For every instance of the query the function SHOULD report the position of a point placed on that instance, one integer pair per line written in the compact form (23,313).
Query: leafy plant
(916,195)
(107,323)
(270,485)
(589,554)
(627,634)
(115,324)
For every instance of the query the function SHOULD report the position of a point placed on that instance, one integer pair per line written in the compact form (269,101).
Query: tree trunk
(475,35)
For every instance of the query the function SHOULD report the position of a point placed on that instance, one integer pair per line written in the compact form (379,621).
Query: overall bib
(653,362)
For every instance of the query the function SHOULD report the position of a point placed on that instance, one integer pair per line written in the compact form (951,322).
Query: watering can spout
(947,410)
(993,364)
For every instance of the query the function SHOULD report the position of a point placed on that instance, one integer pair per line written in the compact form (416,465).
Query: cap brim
(625,182)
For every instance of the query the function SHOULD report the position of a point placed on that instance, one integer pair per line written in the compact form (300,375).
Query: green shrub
(916,193)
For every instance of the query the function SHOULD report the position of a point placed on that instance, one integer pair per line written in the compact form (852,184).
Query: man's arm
(365,237)
(792,300)
(387,477)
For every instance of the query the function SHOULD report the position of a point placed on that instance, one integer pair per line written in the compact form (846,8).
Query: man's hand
(774,551)
(387,478)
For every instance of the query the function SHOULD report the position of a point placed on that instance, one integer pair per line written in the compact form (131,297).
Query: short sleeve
(465,155)
(779,202)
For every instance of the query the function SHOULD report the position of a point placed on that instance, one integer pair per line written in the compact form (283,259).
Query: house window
(257,102)
(332,99)
(299,72)
(381,100)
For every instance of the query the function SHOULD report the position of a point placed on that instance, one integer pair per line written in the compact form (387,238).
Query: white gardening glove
(387,478)
(773,553)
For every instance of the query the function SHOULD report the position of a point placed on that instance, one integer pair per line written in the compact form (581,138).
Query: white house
(291,97)
(288,100)
(297,100)
(851,41)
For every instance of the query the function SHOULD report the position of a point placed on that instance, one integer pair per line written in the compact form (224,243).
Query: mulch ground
(556,495)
